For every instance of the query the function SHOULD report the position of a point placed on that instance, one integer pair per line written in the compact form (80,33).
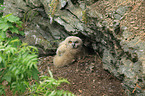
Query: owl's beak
(73,45)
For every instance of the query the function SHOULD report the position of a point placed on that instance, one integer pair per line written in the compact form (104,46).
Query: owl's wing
(61,50)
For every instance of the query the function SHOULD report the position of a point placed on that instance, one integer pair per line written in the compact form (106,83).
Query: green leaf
(53,93)
(2,90)
(35,74)
(19,23)
(12,18)
(50,73)
(6,16)
(15,40)
(14,30)
(2,35)
(17,72)
(21,33)
(1,59)
(1,7)
(7,78)
(4,26)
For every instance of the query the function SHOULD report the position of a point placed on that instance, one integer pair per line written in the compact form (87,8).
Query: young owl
(68,50)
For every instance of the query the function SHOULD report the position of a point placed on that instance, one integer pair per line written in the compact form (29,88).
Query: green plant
(9,23)
(1,8)
(47,86)
(53,6)
(85,16)
(17,64)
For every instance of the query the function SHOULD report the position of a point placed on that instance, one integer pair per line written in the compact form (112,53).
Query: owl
(68,51)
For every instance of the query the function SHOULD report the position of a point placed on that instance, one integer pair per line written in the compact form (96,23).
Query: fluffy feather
(67,51)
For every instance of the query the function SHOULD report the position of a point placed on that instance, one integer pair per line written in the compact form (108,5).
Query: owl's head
(73,42)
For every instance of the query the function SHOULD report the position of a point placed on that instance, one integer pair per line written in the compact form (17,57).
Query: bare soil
(86,77)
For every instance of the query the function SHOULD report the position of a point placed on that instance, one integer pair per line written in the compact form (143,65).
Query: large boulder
(47,22)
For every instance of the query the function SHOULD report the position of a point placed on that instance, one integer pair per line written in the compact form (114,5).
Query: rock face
(47,22)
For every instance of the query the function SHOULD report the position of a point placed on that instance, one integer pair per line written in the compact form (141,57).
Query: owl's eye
(69,41)
(76,42)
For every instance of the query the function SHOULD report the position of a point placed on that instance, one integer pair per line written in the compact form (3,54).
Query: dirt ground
(86,77)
